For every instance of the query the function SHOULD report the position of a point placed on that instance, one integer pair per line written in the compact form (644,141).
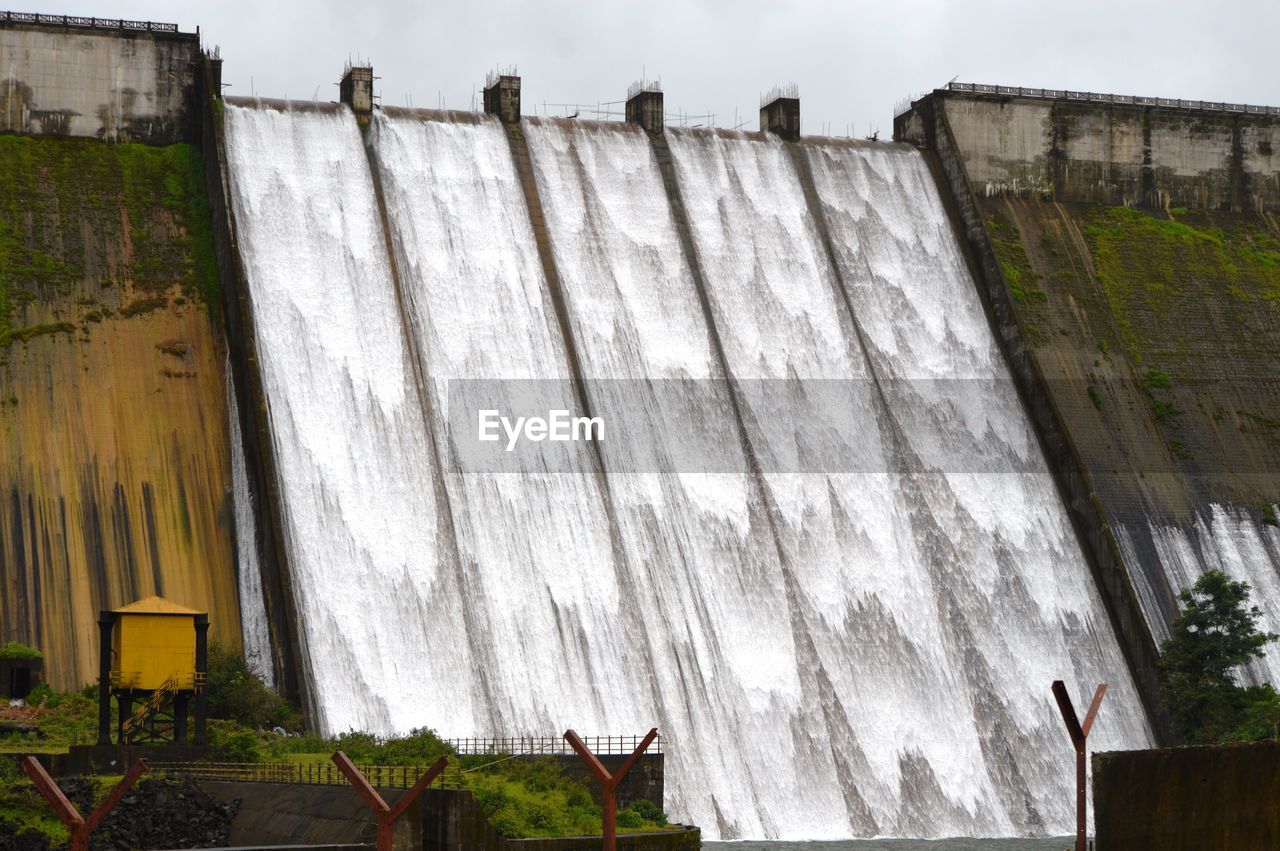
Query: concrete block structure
(502,97)
(1187,799)
(116,80)
(356,89)
(644,106)
(780,112)
(1110,149)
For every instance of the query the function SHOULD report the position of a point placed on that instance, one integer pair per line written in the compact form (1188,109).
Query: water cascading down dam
(823,552)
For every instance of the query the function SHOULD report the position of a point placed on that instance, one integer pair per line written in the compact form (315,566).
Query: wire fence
(550,745)
(1097,97)
(86,23)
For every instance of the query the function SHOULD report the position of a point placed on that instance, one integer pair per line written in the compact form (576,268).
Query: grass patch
(1095,397)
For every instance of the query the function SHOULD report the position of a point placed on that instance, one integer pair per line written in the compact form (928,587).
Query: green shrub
(629,820)
(72,718)
(234,743)
(420,747)
(507,823)
(280,746)
(1215,633)
(44,696)
(236,693)
(541,817)
(360,746)
(649,812)
(1260,717)
(491,798)
(14,650)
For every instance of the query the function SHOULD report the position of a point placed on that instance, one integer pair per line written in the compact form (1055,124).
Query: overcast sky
(853,61)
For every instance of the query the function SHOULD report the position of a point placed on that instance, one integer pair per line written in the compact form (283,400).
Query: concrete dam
(856,652)
(893,434)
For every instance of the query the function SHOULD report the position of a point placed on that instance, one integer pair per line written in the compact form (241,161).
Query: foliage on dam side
(50,190)
(1158,331)
(114,454)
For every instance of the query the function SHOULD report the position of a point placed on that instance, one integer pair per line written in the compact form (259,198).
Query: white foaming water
(694,542)
(541,580)
(372,571)
(253,610)
(858,652)
(938,605)
(1230,540)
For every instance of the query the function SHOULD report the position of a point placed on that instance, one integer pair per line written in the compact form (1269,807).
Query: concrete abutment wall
(128,83)
(1110,153)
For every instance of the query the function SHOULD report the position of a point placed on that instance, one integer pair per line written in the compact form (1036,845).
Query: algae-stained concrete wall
(114,464)
(1158,334)
(1112,153)
(1188,799)
(118,84)
(1144,340)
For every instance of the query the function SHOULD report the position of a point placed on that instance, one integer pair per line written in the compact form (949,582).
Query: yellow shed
(153,640)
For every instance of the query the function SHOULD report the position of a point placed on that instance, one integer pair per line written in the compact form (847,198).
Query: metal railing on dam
(1125,100)
(549,745)
(86,23)
(314,774)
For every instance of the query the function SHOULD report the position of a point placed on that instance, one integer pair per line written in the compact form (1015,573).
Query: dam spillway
(841,629)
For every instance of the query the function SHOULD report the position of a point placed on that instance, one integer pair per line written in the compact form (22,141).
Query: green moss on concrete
(142,306)
(144,205)
(1014,264)
(22,335)
(1095,397)
(1151,261)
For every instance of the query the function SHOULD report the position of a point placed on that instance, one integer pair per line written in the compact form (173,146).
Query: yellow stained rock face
(115,478)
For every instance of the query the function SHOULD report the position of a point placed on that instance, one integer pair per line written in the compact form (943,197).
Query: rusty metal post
(1079,734)
(609,782)
(385,813)
(79,827)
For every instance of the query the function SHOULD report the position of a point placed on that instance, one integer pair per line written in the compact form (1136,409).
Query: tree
(237,694)
(1215,633)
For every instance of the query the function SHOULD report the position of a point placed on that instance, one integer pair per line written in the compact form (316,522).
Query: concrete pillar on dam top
(356,89)
(502,97)
(644,106)
(780,112)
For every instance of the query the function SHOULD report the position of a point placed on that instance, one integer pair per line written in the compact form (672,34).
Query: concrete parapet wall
(1111,153)
(284,814)
(1218,796)
(118,85)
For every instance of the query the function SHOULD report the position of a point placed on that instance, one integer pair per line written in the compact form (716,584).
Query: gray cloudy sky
(852,60)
